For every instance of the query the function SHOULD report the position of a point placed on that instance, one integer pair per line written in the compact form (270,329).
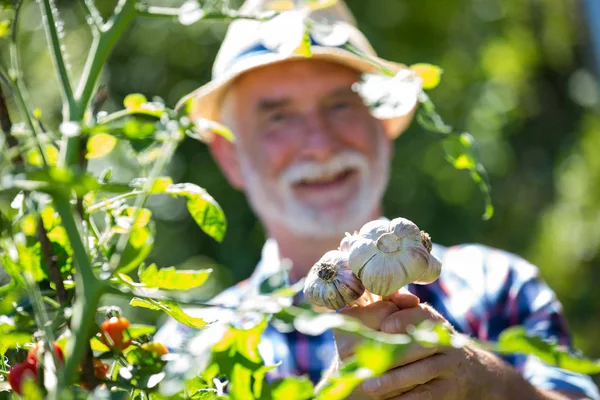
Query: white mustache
(314,171)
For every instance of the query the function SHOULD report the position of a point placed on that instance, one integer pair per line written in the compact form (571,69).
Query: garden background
(518,74)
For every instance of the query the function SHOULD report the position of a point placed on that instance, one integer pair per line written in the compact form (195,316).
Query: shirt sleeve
(534,305)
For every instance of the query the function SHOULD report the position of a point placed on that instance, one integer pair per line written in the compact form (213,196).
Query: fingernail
(371,385)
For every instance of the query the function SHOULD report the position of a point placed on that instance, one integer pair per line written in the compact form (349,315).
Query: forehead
(294,78)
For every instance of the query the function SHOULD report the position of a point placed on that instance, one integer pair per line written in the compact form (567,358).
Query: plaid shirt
(481,292)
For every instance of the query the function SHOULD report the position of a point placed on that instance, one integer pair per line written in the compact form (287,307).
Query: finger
(415,353)
(404,299)
(438,389)
(404,378)
(370,315)
(399,321)
(373,314)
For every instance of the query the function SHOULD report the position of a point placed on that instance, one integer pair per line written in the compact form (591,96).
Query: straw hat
(245,47)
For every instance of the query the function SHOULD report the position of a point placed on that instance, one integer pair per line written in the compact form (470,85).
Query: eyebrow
(267,105)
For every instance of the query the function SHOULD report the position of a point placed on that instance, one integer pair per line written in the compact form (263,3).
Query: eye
(341,105)
(278,116)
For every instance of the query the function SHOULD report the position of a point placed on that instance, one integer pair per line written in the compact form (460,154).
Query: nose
(320,139)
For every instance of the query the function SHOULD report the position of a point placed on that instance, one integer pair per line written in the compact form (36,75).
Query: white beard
(274,202)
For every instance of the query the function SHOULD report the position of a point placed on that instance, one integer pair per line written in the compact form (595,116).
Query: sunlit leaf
(304,48)
(171,308)
(209,127)
(173,279)
(259,377)
(517,340)
(134,101)
(204,209)
(318,4)
(13,340)
(99,145)
(460,150)
(141,241)
(241,382)
(430,74)
(280,5)
(297,388)
(375,356)
(4,28)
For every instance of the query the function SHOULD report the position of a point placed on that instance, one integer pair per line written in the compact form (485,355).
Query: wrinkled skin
(435,372)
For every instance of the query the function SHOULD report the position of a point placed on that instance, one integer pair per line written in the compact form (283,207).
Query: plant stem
(89,290)
(106,203)
(96,18)
(158,12)
(57,57)
(124,13)
(102,45)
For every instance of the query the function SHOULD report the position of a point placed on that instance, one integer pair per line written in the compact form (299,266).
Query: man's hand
(433,372)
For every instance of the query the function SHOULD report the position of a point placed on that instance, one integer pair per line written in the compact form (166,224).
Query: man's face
(310,157)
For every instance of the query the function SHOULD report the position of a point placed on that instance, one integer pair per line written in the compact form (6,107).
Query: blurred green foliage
(517,75)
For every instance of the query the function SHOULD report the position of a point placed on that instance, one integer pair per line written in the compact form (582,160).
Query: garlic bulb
(330,283)
(387,255)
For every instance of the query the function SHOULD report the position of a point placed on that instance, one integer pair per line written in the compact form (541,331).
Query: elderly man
(314,163)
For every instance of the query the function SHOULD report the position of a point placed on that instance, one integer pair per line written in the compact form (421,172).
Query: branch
(57,56)
(6,126)
(157,12)
(92,12)
(89,290)
(50,258)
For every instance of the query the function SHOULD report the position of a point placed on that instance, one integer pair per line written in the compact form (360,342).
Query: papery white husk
(343,289)
(387,255)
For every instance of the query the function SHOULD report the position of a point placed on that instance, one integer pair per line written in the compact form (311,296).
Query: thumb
(404,299)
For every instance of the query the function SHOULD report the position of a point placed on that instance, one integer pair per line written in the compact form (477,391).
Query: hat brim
(205,102)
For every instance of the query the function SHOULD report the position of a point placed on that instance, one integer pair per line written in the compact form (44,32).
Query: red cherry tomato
(115,328)
(100,369)
(19,372)
(32,354)
(156,348)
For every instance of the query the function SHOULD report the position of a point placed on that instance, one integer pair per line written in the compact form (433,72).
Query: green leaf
(460,152)
(517,340)
(241,382)
(206,126)
(304,47)
(340,387)
(204,209)
(375,356)
(99,145)
(134,101)
(13,340)
(291,388)
(141,241)
(4,28)
(171,308)
(246,341)
(173,279)
(259,377)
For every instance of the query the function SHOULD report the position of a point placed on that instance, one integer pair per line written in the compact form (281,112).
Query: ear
(224,153)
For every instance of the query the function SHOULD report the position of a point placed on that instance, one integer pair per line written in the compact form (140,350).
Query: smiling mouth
(324,182)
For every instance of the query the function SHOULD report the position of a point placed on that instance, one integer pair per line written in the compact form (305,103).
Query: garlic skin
(387,255)
(331,284)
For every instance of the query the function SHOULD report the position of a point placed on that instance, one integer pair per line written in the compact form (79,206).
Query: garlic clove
(330,282)
(432,273)
(384,275)
(348,241)
(374,229)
